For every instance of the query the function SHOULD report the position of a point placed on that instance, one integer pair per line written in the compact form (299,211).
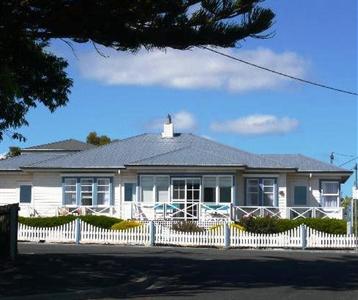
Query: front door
(185,198)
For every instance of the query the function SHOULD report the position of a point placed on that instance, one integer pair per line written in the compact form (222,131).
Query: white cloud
(256,125)
(192,69)
(182,120)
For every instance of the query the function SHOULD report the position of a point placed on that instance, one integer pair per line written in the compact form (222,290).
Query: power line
(280,73)
(347,162)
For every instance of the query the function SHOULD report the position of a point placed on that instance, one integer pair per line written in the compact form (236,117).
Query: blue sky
(121,96)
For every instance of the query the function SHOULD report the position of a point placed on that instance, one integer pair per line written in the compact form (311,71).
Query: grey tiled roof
(153,150)
(65,145)
(15,163)
(303,163)
(182,150)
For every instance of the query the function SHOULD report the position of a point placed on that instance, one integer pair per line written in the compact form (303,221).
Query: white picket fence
(167,236)
(61,234)
(150,234)
(287,239)
(133,236)
(317,239)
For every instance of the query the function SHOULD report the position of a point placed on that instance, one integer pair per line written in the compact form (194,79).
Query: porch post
(282,194)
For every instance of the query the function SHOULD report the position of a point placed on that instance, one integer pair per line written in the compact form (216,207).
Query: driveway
(54,271)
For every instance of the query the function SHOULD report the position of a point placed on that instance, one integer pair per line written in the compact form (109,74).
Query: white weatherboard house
(171,176)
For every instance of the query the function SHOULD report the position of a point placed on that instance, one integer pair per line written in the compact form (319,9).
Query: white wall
(47,193)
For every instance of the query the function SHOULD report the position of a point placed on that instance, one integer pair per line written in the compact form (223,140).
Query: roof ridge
(160,154)
(89,150)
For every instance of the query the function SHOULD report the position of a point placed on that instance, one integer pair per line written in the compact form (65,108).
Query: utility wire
(347,162)
(279,73)
(345,155)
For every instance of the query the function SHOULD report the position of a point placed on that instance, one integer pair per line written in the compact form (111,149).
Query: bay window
(261,192)
(330,193)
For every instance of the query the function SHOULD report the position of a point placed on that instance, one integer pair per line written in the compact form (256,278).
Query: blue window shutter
(78,192)
(94,192)
(25,193)
(111,191)
(300,195)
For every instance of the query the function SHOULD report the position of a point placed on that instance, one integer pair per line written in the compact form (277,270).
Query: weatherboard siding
(47,193)
(9,187)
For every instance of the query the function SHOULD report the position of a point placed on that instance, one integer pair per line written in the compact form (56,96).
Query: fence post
(349,228)
(303,232)
(226,235)
(77,231)
(151,234)
(13,214)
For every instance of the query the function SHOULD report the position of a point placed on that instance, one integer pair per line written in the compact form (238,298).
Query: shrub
(232,225)
(123,225)
(46,221)
(275,225)
(99,221)
(187,226)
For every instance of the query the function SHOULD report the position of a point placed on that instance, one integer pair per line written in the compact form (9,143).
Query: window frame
(94,191)
(217,188)
(97,192)
(155,198)
(261,192)
(64,192)
(19,193)
(322,195)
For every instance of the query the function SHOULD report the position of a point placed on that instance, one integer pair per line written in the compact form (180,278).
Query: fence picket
(165,235)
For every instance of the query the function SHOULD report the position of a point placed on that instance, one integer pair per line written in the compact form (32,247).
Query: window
(25,193)
(147,183)
(268,189)
(162,185)
(179,189)
(70,191)
(330,193)
(103,191)
(209,189)
(86,191)
(300,195)
(261,192)
(193,190)
(129,192)
(253,192)
(225,184)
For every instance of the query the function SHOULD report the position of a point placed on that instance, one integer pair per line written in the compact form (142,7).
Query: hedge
(99,221)
(276,225)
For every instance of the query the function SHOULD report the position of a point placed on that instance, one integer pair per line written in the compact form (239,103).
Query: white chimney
(168,130)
